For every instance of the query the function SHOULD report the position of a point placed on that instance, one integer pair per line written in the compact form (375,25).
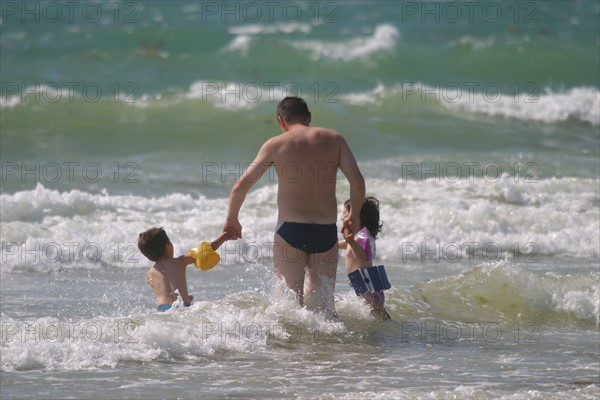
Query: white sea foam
(384,37)
(244,322)
(262,29)
(547,217)
(44,229)
(232,95)
(580,296)
(505,292)
(50,93)
(365,98)
(246,33)
(47,230)
(240,43)
(581,103)
(9,101)
(252,321)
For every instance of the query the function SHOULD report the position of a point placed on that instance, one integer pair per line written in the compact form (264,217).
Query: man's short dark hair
(293,109)
(153,243)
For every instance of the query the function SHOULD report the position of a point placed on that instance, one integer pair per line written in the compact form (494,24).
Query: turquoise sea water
(476,124)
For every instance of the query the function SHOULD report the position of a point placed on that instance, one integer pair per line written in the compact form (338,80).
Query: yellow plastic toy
(205,256)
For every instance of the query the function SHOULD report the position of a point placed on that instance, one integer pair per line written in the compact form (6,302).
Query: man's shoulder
(325,131)
(320,136)
(273,142)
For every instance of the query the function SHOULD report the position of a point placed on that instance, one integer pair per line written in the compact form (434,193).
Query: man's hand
(233,228)
(350,223)
(230,233)
(348,235)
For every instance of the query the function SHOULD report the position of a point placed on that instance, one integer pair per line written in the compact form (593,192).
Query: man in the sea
(306,160)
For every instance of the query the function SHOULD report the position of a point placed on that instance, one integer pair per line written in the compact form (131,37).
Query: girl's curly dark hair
(369,215)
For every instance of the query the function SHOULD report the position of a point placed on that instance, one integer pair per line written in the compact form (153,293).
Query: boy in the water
(168,274)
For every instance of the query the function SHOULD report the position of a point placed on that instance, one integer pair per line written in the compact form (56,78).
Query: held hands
(351,242)
(348,235)
(349,223)
(233,228)
(230,233)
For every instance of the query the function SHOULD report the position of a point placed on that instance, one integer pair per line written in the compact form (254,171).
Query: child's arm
(358,251)
(185,296)
(187,259)
(229,234)
(343,244)
(180,278)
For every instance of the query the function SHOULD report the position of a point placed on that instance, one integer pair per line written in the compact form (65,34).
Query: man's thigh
(290,264)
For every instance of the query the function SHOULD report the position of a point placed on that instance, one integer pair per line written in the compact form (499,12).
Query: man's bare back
(306,160)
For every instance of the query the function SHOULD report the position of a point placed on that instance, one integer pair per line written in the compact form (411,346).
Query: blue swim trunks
(165,307)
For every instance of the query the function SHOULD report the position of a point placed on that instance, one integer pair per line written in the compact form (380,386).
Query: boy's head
(153,243)
(369,215)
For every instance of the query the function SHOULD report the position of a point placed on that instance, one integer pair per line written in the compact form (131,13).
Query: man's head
(293,110)
(153,243)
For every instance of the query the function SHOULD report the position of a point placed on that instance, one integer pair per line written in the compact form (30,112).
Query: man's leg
(290,264)
(322,269)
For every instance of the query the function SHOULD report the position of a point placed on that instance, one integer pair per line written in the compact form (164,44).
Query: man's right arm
(350,169)
(238,193)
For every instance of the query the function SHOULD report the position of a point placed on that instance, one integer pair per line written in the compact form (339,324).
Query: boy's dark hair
(153,243)
(293,109)
(369,215)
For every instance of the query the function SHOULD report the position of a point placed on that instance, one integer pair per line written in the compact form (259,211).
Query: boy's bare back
(169,275)
(157,279)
